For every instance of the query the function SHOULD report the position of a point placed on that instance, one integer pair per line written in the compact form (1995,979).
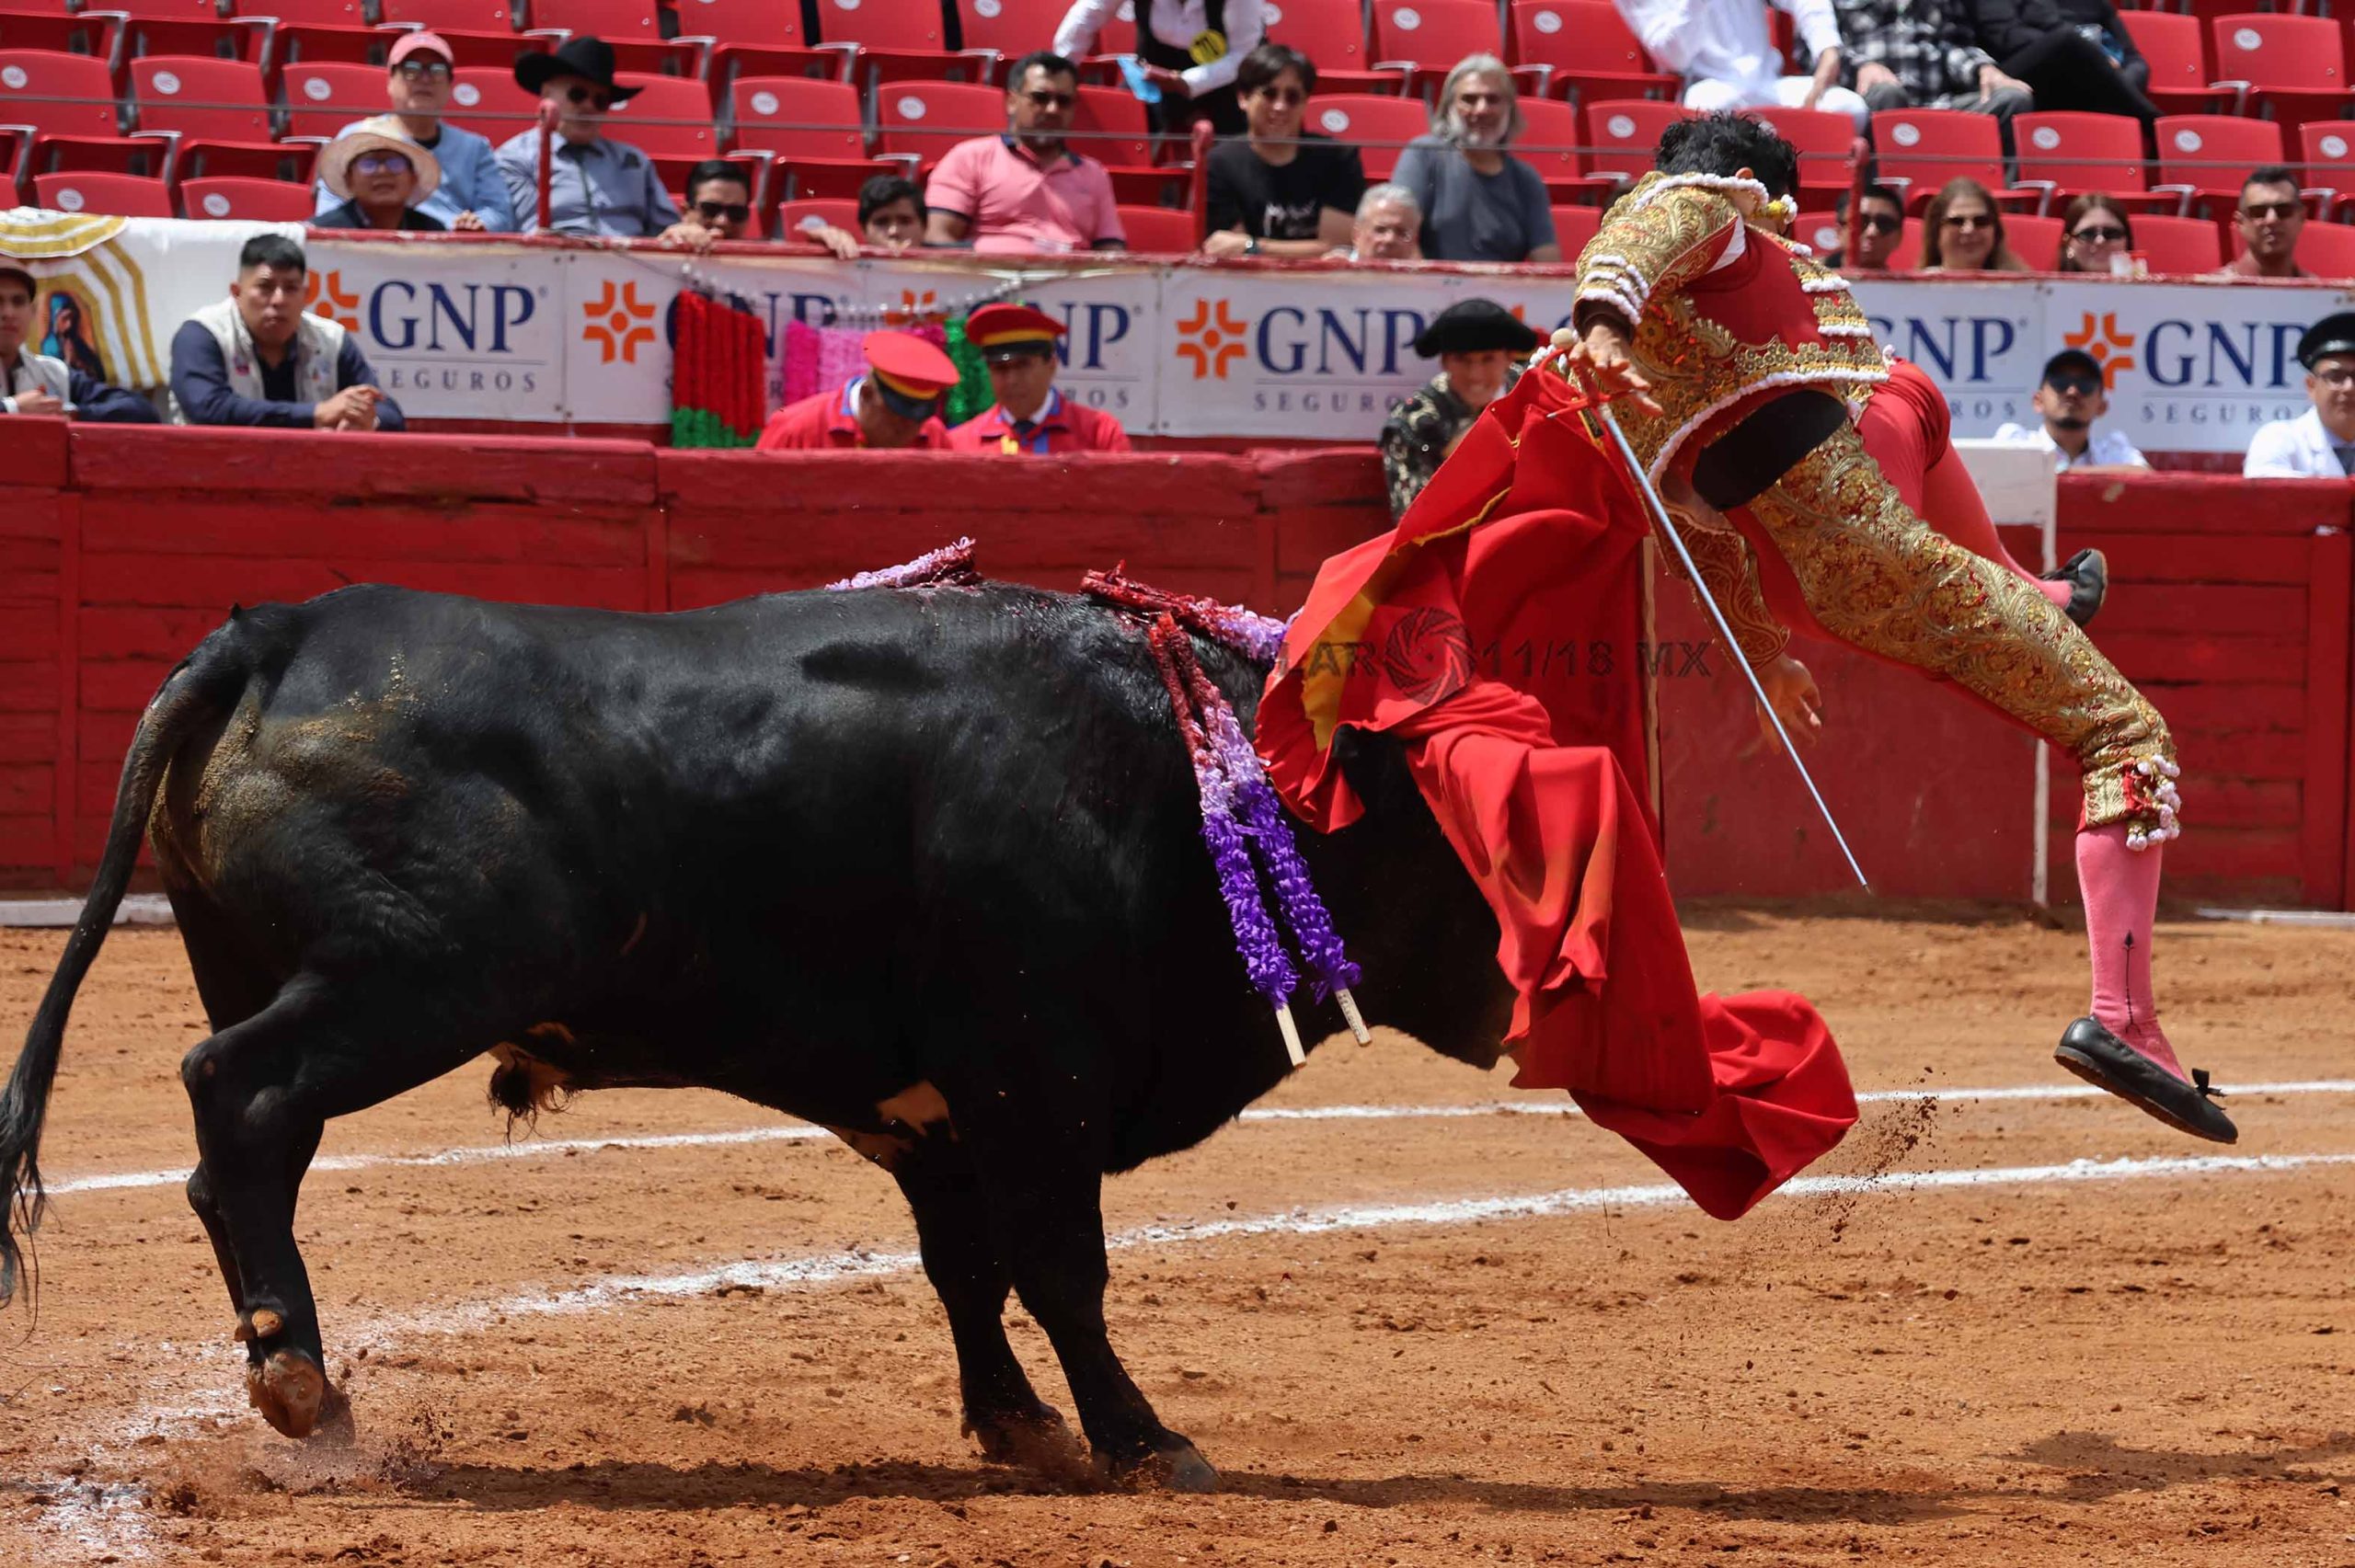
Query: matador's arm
(1654,241)
(1731,573)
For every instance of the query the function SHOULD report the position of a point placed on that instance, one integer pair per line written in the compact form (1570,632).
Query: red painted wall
(120,547)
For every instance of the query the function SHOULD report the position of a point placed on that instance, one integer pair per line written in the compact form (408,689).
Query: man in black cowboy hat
(597,186)
(1479,344)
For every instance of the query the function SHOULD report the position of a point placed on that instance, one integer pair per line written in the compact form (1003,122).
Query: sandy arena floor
(1433,1335)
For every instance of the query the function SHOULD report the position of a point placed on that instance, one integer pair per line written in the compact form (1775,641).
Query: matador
(1742,370)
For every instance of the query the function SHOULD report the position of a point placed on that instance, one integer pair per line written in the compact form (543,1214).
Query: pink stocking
(2121,893)
(1952,505)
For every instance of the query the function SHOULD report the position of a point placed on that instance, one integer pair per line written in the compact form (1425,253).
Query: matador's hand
(1599,363)
(1793,693)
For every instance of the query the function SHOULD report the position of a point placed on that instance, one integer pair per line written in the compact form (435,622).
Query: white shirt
(2293,449)
(1724,40)
(1177,23)
(2107,449)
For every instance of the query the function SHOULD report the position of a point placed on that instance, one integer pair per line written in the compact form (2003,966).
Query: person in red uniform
(1030,415)
(895,406)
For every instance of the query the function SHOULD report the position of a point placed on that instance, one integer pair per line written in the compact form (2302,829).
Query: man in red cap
(1018,343)
(895,406)
(472,193)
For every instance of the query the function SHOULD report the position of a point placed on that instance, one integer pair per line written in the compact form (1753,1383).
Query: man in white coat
(1722,51)
(2320,443)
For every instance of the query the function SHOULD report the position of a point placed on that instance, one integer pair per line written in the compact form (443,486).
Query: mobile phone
(1132,72)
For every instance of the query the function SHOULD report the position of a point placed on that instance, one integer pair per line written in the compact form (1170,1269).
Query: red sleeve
(796,427)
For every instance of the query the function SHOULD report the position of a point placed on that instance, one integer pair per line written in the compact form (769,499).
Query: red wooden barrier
(120,548)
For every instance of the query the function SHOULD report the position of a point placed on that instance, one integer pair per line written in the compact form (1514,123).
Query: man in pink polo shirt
(1025,191)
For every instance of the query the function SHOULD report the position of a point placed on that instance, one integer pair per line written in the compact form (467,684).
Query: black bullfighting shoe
(2101,1059)
(2087,575)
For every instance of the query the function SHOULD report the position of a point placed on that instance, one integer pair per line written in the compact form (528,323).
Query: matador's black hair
(1725,144)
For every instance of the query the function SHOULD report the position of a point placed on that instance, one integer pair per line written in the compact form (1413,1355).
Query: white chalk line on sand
(542,1149)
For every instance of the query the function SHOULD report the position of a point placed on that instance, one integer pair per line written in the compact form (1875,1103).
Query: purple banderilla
(951,566)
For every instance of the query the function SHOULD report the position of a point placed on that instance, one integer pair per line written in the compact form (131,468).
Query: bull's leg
(262,1090)
(962,1260)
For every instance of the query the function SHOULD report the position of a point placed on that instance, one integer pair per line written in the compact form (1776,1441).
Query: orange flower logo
(1212,340)
(912,307)
(618,322)
(2113,350)
(325,296)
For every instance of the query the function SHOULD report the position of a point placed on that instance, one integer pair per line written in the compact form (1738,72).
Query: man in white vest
(258,358)
(35,384)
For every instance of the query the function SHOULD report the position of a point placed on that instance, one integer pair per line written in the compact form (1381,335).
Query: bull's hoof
(1036,1439)
(291,1391)
(1174,1466)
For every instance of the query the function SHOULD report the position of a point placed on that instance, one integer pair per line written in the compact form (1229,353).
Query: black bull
(817,849)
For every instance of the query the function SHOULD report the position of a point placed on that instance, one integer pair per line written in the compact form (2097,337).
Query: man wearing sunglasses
(1869,238)
(2269,218)
(2070,398)
(472,194)
(1025,191)
(2320,443)
(1031,415)
(720,206)
(596,185)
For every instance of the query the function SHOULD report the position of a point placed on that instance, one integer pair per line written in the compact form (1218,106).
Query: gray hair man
(1388,226)
(1480,202)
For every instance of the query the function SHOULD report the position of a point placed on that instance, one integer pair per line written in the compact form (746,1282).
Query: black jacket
(2004,28)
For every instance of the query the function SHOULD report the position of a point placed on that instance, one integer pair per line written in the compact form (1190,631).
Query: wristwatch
(1251,245)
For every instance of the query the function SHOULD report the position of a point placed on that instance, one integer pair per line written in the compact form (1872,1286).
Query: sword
(1725,632)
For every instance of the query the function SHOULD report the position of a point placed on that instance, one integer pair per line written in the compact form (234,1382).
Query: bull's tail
(199,686)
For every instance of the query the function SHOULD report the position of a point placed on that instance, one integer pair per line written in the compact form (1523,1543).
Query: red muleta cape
(1496,632)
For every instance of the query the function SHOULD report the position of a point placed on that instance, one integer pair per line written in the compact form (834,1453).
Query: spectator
(596,185)
(2073,54)
(1868,241)
(1963,232)
(1283,192)
(1918,54)
(258,358)
(2270,217)
(2320,443)
(1389,227)
(1476,342)
(2096,232)
(719,205)
(35,384)
(891,219)
(382,179)
(894,407)
(1480,202)
(2071,397)
(473,193)
(1031,414)
(1026,190)
(1191,50)
(1722,51)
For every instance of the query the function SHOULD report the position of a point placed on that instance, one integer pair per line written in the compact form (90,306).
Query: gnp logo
(1213,338)
(2111,348)
(618,322)
(326,295)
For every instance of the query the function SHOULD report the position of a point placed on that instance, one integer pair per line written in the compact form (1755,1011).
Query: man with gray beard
(1480,202)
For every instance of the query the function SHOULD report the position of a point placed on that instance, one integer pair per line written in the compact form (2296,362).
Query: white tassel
(1291,1034)
(1350,1010)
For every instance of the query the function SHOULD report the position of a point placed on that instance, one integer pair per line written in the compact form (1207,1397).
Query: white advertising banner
(550,333)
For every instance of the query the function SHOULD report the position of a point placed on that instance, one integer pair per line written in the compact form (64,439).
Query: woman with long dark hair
(2093,229)
(1963,232)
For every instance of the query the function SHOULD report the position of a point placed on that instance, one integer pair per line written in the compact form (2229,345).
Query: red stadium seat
(115,195)
(1927,148)
(1624,132)
(247,200)
(2327,250)
(2033,240)
(1163,231)
(2054,149)
(485,100)
(2295,66)
(1826,143)
(309,13)
(1550,144)
(321,99)
(59,95)
(797,117)
(2203,157)
(907,41)
(180,10)
(2177,48)
(150,157)
(1366,120)
(221,38)
(929,117)
(198,96)
(1332,34)
(2329,149)
(92,33)
(792,217)
(616,21)
(2176,247)
(498,49)
(742,21)
(1430,36)
(446,16)
(836,180)
(316,45)
(1593,54)
(9,196)
(1108,125)
(286,162)
(670,115)
(1573,226)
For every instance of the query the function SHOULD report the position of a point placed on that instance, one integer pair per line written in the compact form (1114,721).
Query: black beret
(1470,327)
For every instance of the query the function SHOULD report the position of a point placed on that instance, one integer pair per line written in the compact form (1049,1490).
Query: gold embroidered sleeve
(1730,572)
(1653,243)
